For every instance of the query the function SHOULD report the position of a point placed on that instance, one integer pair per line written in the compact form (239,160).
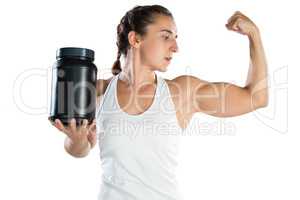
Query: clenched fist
(242,24)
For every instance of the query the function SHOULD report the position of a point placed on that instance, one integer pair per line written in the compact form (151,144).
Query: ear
(134,39)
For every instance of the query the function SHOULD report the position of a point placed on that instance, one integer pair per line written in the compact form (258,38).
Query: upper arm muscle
(223,100)
(214,98)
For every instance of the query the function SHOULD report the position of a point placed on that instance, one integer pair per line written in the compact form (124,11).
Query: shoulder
(182,89)
(185,84)
(184,79)
(101,86)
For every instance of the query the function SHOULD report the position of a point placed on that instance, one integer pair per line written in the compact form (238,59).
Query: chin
(163,68)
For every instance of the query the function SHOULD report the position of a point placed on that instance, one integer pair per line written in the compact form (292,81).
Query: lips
(168,58)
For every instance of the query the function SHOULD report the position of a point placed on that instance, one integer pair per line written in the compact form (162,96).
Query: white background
(253,156)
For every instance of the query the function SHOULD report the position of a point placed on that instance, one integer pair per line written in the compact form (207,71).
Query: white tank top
(138,152)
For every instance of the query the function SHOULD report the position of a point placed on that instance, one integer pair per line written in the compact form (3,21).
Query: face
(159,44)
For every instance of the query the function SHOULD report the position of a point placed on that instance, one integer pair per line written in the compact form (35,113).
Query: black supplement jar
(73,87)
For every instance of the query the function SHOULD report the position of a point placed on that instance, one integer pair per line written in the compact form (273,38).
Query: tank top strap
(164,96)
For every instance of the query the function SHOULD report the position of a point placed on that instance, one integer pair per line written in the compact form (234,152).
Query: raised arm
(223,99)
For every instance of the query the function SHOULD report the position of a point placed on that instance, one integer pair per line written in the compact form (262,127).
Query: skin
(190,94)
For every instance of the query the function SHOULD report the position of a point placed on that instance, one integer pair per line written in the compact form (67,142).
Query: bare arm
(257,74)
(225,99)
(256,83)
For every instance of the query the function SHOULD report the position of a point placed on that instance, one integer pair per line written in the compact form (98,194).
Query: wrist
(254,34)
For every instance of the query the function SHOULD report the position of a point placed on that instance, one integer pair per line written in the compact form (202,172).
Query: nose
(175,47)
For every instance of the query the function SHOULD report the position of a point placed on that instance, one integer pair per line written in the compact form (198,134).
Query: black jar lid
(75,52)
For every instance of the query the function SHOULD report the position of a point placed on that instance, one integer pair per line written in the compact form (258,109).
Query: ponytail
(116,68)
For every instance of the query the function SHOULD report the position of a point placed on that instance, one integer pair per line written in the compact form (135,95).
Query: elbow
(262,101)
(263,104)
(259,98)
(265,101)
(259,95)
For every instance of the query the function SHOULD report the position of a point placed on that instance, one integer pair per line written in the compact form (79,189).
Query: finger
(85,123)
(72,125)
(84,126)
(233,18)
(59,125)
(93,122)
(230,23)
(236,14)
(241,14)
(92,125)
(233,25)
(92,138)
(230,19)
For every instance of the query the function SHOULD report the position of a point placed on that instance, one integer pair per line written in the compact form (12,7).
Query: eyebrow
(169,31)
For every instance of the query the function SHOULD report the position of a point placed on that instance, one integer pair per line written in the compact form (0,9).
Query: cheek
(153,52)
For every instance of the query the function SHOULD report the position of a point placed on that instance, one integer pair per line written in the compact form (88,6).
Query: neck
(134,74)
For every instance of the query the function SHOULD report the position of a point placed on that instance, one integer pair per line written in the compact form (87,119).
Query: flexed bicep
(218,99)
(223,99)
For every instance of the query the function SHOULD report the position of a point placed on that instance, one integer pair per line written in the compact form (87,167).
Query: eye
(166,37)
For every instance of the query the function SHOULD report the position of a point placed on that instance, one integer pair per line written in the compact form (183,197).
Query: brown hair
(137,19)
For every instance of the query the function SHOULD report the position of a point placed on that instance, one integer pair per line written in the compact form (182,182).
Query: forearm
(257,83)
(76,149)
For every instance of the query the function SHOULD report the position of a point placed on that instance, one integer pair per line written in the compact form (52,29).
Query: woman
(140,115)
